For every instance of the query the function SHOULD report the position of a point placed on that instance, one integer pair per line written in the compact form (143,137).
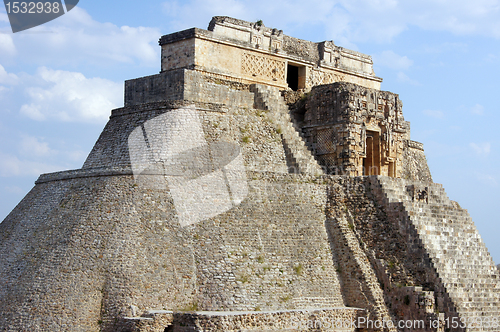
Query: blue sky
(59,81)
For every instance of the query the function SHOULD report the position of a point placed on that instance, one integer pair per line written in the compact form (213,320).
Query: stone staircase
(363,288)
(301,159)
(455,248)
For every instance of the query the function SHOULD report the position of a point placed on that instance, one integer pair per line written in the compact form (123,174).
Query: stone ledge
(168,105)
(251,174)
(84,173)
(415,145)
(231,21)
(272,320)
(201,33)
(237,313)
(292,320)
(291,46)
(159,312)
(177,36)
(127,171)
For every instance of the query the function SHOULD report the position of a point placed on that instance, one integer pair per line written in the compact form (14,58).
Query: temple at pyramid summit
(258,182)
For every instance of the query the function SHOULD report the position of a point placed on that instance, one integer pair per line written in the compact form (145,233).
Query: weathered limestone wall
(340,118)
(259,141)
(180,54)
(62,263)
(267,250)
(155,88)
(335,62)
(360,287)
(187,85)
(299,158)
(248,53)
(22,256)
(327,320)
(109,247)
(410,284)
(466,283)
(226,59)
(415,165)
(211,90)
(219,55)
(108,244)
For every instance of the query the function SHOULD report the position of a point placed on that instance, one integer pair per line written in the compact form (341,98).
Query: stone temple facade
(257,183)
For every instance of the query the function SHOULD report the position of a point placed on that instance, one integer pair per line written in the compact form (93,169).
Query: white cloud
(339,19)
(14,190)
(76,155)
(392,60)
(34,156)
(477,109)
(32,111)
(482,149)
(184,16)
(492,58)
(379,20)
(12,166)
(434,114)
(32,146)
(349,21)
(77,38)
(487,179)
(447,47)
(7,78)
(465,17)
(69,96)
(7,47)
(4,17)
(403,78)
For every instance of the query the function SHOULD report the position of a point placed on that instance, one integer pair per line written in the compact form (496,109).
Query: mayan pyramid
(259,182)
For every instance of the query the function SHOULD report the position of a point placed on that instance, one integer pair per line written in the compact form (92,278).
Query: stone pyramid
(258,182)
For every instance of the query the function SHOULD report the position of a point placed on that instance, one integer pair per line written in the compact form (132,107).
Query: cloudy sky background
(59,81)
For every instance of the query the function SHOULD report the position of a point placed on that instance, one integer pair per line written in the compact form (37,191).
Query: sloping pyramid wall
(467,275)
(88,247)
(112,247)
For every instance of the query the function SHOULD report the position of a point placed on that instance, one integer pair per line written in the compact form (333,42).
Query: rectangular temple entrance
(371,163)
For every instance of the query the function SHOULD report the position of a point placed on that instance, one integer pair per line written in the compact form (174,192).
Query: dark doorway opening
(371,163)
(292,77)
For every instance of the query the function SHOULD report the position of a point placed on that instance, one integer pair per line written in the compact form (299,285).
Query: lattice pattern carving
(261,66)
(325,141)
(319,77)
(331,78)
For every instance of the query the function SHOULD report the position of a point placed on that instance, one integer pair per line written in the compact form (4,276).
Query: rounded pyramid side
(87,248)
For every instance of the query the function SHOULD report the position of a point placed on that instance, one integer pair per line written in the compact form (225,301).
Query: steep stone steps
(355,259)
(455,248)
(301,158)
